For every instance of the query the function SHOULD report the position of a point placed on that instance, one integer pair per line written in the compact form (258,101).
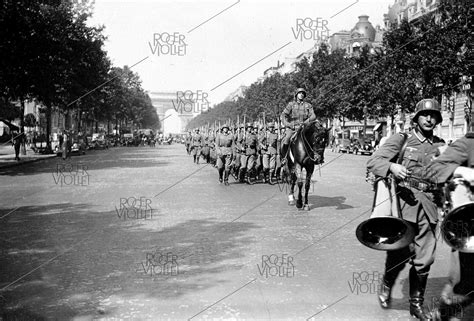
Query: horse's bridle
(315,160)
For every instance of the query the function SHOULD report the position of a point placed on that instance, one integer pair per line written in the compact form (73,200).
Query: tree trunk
(48,128)
(22,126)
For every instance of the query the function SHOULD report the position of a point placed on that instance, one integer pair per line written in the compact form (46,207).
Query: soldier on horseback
(297,113)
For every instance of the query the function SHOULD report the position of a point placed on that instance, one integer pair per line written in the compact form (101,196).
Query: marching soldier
(248,155)
(416,203)
(196,145)
(187,142)
(237,149)
(224,143)
(260,134)
(296,113)
(456,161)
(212,145)
(270,154)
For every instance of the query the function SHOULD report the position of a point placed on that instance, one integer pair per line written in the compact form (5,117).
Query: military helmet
(300,90)
(249,125)
(428,105)
(225,126)
(271,125)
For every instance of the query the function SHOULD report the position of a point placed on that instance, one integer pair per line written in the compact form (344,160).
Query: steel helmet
(300,90)
(428,105)
(225,126)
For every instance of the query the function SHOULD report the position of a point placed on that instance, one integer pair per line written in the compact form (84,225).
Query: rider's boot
(284,150)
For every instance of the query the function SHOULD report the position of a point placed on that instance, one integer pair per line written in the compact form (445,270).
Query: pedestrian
(65,144)
(17,140)
(456,161)
(296,113)
(416,202)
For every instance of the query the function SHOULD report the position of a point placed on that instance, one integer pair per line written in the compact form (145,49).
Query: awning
(12,126)
(377,126)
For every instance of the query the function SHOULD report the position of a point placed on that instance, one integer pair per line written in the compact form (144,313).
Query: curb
(8,165)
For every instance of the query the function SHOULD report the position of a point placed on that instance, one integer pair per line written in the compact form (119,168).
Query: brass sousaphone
(385,230)
(457,228)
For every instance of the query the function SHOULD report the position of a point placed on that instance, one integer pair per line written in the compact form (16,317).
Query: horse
(305,151)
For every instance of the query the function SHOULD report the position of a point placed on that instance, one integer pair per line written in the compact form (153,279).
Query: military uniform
(196,146)
(270,154)
(212,146)
(187,142)
(237,152)
(417,207)
(248,157)
(461,272)
(224,144)
(296,113)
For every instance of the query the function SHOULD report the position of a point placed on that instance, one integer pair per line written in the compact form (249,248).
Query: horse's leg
(309,173)
(299,202)
(292,181)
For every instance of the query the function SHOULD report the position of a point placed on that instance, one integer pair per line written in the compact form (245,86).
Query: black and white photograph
(236,160)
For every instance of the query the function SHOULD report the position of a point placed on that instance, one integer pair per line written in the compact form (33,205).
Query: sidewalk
(7,156)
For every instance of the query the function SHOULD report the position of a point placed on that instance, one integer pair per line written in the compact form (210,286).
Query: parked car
(78,144)
(99,141)
(344,145)
(367,148)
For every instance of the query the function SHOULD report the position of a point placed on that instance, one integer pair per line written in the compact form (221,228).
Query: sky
(216,46)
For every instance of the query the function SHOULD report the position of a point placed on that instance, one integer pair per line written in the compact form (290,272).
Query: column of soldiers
(249,153)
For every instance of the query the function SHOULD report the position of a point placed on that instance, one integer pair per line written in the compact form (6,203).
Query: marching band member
(456,161)
(416,203)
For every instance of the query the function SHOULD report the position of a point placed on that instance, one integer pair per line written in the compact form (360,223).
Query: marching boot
(250,173)
(417,292)
(221,171)
(265,175)
(194,156)
(226,177)
(385,291)
(242,175)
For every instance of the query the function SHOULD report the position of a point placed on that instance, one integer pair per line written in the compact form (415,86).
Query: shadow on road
(70,260)
(317,201)
(118,157)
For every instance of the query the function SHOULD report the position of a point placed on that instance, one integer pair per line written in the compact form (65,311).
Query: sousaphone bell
(457,228)
(385,230)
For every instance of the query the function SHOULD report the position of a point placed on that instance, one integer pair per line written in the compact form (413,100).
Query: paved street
(82,240)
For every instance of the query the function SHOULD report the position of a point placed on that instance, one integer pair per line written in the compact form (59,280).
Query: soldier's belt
(417,183)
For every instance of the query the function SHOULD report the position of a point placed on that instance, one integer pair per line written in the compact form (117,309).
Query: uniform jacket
(295,113)
(224,143)
(459,153)
(272,143)
(419,152)
(251,144)
(197,140)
